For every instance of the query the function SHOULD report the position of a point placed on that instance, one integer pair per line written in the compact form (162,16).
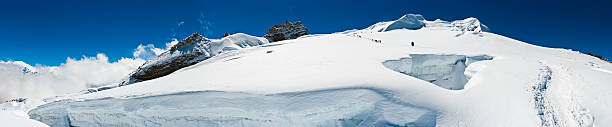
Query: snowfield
(450,77)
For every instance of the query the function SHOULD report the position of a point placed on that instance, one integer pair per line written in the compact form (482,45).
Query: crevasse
(446,71)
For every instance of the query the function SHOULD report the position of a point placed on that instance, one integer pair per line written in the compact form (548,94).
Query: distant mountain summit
(286,31)
(18,65)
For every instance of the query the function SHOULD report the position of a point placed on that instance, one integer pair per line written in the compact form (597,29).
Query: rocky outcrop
(598,56)
(187,52)
(286,31)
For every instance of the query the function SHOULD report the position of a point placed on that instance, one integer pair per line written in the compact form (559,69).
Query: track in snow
(543,105)
(566,109)
(359,36)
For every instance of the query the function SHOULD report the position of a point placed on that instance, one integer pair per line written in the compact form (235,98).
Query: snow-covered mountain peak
(408,21)
(469,24)
(25,68)
(417,21)
(412,17)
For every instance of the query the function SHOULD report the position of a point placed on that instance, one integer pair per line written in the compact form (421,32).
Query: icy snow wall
(336,107)
(446,71)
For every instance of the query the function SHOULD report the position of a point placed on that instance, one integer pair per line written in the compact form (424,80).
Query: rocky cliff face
(286,31)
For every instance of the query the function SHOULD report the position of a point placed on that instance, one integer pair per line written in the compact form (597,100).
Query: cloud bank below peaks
(22,80)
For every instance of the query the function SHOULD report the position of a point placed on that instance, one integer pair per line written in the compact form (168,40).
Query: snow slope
(16,118)
(517,84)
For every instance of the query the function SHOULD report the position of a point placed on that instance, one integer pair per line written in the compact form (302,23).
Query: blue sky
(46,32)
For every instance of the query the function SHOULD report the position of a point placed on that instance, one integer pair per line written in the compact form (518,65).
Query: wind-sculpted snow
(336,107)
(446,71)
(409,21)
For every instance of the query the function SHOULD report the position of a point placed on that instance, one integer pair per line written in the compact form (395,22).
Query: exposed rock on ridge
(286,31)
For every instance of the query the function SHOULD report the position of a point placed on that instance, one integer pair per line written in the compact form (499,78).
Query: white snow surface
(12,114)
(523,85)
(17,118)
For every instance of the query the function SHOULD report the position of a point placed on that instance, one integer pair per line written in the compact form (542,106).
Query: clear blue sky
(47,31)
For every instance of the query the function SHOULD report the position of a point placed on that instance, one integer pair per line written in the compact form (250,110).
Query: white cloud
(149,51)
(171,43)
(69,77)
(146,51)
(19,79)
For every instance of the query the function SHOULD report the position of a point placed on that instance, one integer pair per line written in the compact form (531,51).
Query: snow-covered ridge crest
(417,21)
(189,51)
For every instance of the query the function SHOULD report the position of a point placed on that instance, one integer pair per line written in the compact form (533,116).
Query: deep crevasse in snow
(446,71)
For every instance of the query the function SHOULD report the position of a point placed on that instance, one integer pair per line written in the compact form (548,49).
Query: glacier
(337,107)
(457,74)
